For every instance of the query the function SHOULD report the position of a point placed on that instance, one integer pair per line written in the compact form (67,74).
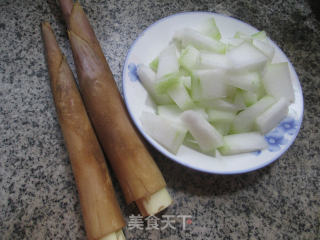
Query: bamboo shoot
(101,212)
(135,169)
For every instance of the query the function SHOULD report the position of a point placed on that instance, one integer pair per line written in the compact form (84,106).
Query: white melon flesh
(214,60)
(171,112)
(219,104)
(232,42)
(201,111)
(186,80)
(195,87)
(250,98)
(277,82)
(222,127)
(203,132)
(244,121)
(180,96)
(260,91)
(249,81)
(190,142)
(212,83)
(154,64)
(215,115)
(190,57)
(243,143)
(261,35)
(246,58)
(211,29)
(167,82)
(231,91)
(189,36)
(169,134)
(243,36)
(264,47)
(272,116)
(168,62)
(239,100)
(148,80)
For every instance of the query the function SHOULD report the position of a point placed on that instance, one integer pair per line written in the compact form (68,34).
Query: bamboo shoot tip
(69,32)
(45,24)
(77,4)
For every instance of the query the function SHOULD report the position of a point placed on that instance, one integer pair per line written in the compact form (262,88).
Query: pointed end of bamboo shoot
(53,52)
(76,11)
(78,23)
(155,203)
(47,32)
(115,236)
(76,7)
(76,3)
(45,25)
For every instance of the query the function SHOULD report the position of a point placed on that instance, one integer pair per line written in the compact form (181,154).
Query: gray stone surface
(38,198)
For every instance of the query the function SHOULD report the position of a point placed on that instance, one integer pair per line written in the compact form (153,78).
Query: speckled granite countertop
(38,198)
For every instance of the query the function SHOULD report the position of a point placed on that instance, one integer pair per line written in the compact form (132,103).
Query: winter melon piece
(243,143)
(203,132)
(167,133)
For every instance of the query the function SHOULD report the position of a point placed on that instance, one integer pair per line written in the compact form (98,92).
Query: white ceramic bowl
(149,44)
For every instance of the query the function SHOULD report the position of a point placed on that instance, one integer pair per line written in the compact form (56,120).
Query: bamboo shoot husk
(135,169)
(101,212)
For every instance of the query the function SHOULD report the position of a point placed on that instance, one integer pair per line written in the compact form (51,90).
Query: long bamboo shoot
(101,212)
(135,169)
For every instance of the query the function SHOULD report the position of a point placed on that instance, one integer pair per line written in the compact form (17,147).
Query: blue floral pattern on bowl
(257,153)
(289,126)
(277,137)
(133,72)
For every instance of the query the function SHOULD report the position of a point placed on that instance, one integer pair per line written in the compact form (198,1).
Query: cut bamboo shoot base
(114,236)
(155,203)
